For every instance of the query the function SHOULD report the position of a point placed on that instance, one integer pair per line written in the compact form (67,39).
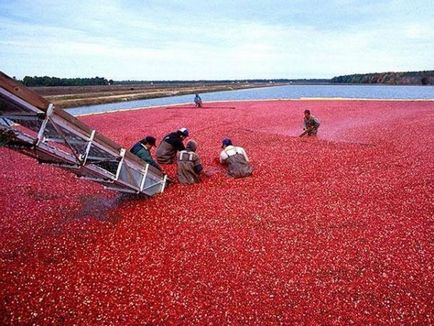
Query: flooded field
(74,96)
(296,92)
(329,230)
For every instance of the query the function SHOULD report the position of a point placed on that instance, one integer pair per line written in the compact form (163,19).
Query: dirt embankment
(90,95)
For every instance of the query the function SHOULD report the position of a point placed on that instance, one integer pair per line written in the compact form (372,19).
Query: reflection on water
(278,92)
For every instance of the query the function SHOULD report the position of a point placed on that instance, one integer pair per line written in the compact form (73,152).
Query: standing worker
(236,160)
(198,101)
(171,143)
(189,166)
(142,149)
(311,124)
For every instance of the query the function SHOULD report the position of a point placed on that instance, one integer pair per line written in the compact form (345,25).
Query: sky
(206,39)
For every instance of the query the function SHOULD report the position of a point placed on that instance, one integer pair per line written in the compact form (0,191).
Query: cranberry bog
(336,229)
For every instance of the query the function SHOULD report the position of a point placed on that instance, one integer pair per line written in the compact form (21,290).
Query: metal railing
(32,126)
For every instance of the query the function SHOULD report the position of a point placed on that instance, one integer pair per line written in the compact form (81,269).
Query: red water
(333,230)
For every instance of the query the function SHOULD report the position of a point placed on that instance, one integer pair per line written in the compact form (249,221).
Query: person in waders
(198,101)
(170,145)
(189,166)
(143,148)
(235,159)
(310,124)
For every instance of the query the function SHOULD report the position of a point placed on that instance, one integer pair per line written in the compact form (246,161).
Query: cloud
(196,40)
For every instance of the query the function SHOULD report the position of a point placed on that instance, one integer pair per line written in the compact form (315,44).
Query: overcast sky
(204,39)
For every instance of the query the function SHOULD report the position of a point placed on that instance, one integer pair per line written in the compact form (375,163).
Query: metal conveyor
(31,125)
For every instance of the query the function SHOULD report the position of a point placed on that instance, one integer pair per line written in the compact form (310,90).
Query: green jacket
(144,154)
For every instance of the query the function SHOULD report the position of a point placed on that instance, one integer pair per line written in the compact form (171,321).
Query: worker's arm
(179,145)
(223,157)
(197,165)
(242,151)
(155,164)
(306,131)
(146,156)
(175,141)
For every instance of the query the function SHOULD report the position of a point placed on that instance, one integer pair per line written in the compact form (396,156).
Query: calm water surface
(278,92)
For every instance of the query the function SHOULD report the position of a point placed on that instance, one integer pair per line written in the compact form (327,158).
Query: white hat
(184,131)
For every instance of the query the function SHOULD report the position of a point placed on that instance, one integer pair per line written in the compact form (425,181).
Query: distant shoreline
(78,96)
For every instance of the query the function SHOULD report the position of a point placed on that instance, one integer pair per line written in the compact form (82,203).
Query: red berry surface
(336,229)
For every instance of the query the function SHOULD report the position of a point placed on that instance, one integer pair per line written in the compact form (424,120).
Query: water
(278,92)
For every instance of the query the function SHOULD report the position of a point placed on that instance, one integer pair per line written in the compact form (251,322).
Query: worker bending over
(311,124)
(143,148)
(198,101)
(189,165)
(170,145)
(236,160)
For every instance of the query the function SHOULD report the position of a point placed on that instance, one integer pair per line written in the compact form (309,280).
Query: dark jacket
(312,122)
(166,151)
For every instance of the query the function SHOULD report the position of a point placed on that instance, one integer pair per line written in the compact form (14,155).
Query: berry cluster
(335,229)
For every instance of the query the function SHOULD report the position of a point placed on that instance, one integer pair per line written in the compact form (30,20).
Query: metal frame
(44,124)
(89,144)
(20,102)
(122,155)
(70,145)
(142,183)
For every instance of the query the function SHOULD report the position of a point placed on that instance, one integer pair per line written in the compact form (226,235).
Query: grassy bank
(67,97)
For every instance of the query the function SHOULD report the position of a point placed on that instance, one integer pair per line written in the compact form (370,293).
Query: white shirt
(230,151)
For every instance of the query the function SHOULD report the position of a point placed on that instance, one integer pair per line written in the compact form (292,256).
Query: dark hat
(150,140)
(191,146)
(307,111)
(226,142)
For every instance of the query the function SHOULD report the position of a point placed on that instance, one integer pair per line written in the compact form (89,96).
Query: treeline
(219,81)
(36,81)
(391,78)
(55,81)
